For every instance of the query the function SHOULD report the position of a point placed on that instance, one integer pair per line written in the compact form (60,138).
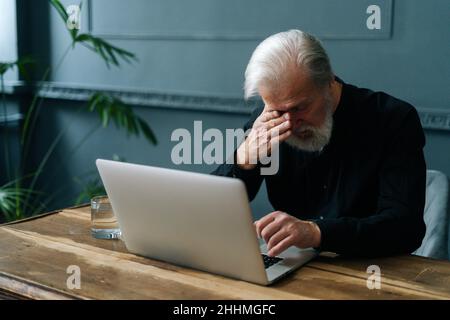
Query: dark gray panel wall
(235,19)
(410,64)
(409,61)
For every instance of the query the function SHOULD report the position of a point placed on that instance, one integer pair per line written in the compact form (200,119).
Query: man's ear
(330,84)
(333,80)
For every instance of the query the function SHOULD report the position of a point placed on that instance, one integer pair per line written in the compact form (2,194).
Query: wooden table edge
(43,215)
(21,288)
(12,286)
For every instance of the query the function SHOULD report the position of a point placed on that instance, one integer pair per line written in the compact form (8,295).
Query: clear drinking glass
(103,221)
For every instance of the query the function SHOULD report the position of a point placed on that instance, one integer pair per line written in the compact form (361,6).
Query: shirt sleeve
(397,226)
(251,178)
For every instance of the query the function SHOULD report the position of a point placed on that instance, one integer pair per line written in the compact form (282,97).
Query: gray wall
(200,48)
(411,63)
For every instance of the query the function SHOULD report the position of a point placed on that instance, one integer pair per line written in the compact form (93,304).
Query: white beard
(316,138)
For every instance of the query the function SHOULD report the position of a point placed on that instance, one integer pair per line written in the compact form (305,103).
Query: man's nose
(295,119)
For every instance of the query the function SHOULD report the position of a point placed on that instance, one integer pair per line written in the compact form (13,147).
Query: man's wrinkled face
(310,109)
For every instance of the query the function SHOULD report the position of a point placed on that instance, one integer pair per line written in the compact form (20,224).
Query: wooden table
(35,255)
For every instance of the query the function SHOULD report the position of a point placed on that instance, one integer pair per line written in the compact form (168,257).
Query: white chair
(436,244)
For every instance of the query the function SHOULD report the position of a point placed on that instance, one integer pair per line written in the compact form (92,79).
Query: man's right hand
(268,129)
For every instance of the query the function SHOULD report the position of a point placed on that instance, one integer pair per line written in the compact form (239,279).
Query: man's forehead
(282,97)
(285,103)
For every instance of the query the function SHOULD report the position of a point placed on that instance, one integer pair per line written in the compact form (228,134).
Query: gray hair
(277,55)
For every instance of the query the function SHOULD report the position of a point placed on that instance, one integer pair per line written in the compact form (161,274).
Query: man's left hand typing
(281,230)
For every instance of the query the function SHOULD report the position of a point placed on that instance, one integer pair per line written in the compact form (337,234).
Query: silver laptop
(195,220)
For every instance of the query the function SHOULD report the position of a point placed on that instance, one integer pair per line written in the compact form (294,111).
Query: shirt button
(321,217)
(324,186)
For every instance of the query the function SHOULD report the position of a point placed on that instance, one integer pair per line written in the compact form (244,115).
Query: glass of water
(103,221)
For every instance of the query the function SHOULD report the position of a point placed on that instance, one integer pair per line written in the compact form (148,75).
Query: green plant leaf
(111,108)
(61,10)
(105,117)
(133,125)
(101,50)
(5,66)
(105,50)
(94,100)
(14,197)
(12,201)
(21,65)
(148,133)
(113,58)
(83,37)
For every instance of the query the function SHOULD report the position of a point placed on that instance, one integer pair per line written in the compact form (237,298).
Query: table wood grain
(35,255)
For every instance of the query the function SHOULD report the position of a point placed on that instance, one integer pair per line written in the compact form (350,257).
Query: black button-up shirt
(366,188)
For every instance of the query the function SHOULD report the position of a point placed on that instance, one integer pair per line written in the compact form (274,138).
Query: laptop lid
(190,219)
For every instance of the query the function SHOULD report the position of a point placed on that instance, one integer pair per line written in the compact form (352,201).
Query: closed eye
(299,108)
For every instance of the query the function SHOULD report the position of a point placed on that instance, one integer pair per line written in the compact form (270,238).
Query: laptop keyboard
(270,261)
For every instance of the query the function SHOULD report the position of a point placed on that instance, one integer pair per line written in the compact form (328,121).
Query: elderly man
(351,175)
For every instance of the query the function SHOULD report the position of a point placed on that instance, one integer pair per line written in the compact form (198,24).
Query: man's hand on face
(281,230)
(269,128)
